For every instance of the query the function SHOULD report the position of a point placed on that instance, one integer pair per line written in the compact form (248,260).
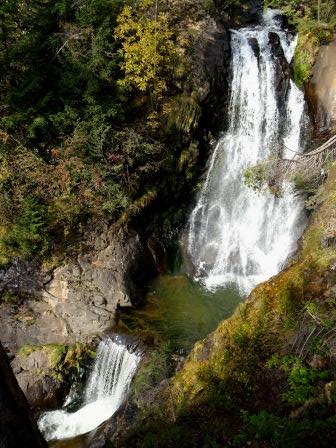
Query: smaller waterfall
(104,393)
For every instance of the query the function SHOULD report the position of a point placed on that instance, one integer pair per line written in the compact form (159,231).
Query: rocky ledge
(79,297)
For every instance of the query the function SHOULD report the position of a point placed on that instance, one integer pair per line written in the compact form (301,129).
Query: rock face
(17,427)
(79,298)
(322,88)
(211,73)
(36,380)
(109,273)
(282,69)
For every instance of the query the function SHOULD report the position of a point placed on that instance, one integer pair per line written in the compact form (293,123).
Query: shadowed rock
(17,427)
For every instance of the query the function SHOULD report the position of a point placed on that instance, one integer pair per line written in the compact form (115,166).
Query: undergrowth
(315,26)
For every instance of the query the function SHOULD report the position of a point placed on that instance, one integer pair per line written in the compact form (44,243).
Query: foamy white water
(105,391)
(237,236)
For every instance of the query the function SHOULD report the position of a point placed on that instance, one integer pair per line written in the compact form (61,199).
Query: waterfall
(235,235)
(105,391)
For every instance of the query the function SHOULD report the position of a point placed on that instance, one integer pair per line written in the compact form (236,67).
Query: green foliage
(85,88)
(256,177)
(303,381)
(28,234)
(268,429)
(261,177)
(311,35)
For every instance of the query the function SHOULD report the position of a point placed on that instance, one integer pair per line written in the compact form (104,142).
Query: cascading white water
(237,236)
(105,391)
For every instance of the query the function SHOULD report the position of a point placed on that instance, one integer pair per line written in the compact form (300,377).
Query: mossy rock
(311,36)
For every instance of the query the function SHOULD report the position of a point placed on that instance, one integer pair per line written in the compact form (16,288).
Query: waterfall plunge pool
(180,310)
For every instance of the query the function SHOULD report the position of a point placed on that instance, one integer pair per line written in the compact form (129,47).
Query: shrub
(303,381)
(28,235)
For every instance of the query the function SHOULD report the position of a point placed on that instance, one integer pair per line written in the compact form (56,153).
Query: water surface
(181,310)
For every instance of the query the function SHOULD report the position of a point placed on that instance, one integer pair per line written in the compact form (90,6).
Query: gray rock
(79,297)
(35,377)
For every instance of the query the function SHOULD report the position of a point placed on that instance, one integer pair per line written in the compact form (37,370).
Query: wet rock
(282,69)
(255,46)
(204,101)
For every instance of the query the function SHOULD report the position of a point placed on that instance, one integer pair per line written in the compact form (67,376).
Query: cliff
(321,88)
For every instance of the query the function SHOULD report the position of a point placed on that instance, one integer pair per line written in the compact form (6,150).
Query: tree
(148,49)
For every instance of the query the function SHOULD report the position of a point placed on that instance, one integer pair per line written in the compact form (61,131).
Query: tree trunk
(17,427)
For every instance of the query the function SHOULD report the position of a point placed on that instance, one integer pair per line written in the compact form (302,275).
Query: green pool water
(181,310)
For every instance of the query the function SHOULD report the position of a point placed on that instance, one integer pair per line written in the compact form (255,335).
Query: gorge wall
(17,426)
(322,88)
(79,298)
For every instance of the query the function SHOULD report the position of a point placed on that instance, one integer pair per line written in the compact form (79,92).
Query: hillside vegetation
(99,106)
(88,98)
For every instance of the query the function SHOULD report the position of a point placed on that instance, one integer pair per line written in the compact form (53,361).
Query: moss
(157,367)
(63,360)
(7,296)
(27,350)
(184,115)
(55,353)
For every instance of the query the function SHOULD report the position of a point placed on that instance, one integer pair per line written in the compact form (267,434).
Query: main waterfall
(237,236)
(105,391)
